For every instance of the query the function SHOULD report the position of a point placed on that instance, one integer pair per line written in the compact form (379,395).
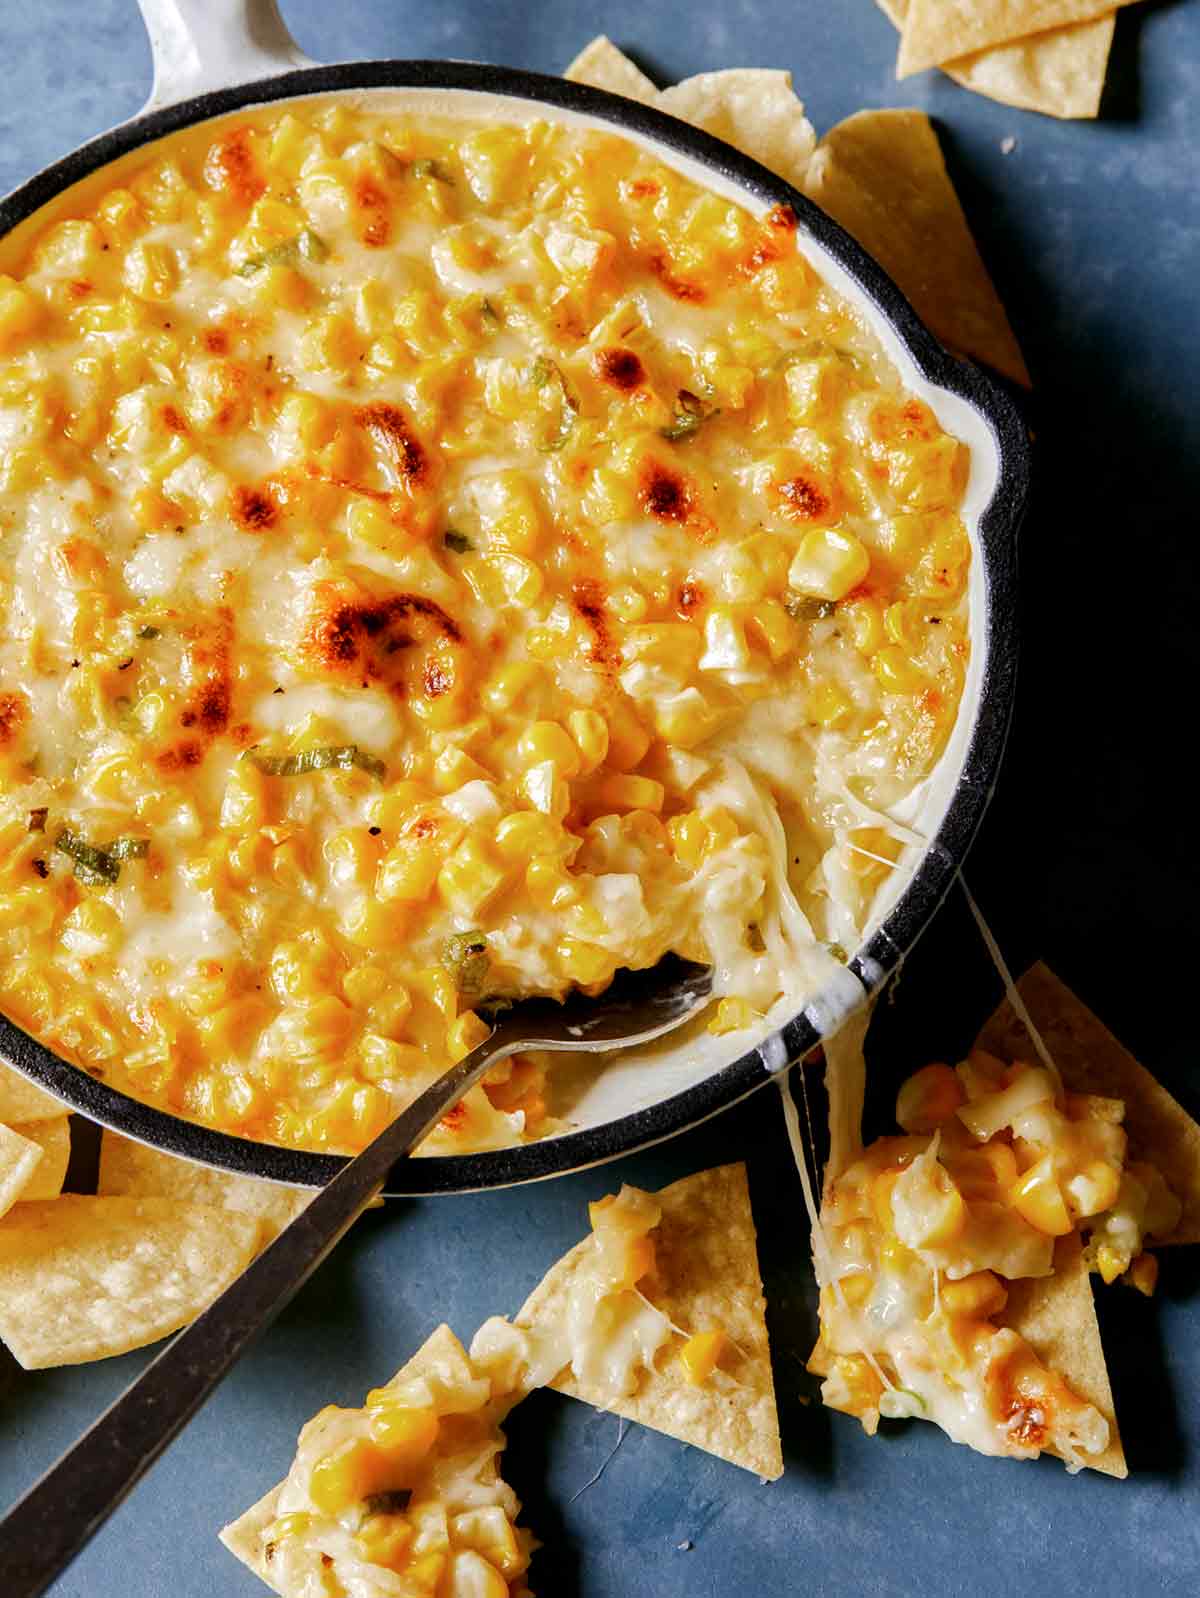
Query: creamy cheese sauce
(584,544)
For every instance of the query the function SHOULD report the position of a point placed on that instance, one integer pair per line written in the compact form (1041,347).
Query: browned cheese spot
(371,640)
(680,287)
(230,167)
(619,367)
(14,712)
(254,509)
(402,450)
(372,201)
(664,493)
(588,597)
(803,500)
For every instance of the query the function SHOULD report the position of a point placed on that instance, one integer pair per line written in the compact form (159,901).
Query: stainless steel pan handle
(200,45)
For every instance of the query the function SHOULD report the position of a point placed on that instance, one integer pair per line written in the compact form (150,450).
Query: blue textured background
(1093,234)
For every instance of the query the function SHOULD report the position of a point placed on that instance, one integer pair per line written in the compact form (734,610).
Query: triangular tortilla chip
(943,30)
(1059,73)
(882,176)
(84,1278)
(1057,1318)
(754,109)
(19,1160)
(707,1275)
(53,1137)
(133,1169)
(245,1540)
(440,1352)
(21,1101)
(605,67)
(1093,1061)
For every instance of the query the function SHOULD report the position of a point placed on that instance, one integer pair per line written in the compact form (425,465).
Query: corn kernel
(896,673)
(465,1034)
(733,1015)
(979,1296)
(929,1097)
(620,791)
(829,563)
(584,963)
(589,730)
(1143,1274)
(547,741)
(1038,1198)
(470,879)
(701,1355)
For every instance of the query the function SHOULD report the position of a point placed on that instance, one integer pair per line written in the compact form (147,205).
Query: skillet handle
(200,45)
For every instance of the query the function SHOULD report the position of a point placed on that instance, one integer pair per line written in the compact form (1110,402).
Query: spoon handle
(44,1531)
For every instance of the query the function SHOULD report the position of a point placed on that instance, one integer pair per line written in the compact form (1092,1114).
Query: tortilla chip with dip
(1092,1060)
(705,1281)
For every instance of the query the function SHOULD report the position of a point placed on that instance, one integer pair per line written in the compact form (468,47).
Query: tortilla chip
(84,1278)
(134,1170)
(755,110)
(1056,1316)
(54,1140)
(244,1536)
(19,1159)
(21,1101)
(604,66)
(707,1275)
(1091,1060)
(882,176)
(1059,73)
(936,31)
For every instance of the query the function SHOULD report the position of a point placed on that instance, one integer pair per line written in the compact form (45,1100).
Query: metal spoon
(43,1532)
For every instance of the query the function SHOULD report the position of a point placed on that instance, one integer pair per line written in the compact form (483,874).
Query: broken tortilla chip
(54,1139)
(1060,72)
(707,1276)
(754,109)
(1091,1060)
(603,66)
(84,1278)
(19,1159)
(1057,1318)
(882,176)
(937,31)
(21,1101)
(133,1170)
(441,1360)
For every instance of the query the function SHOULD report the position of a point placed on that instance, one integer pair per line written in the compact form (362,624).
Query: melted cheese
(478,463)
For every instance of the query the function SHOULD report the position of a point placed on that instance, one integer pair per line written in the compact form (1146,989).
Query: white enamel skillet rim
(213,57)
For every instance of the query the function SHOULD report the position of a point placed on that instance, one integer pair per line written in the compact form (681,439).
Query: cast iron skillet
(200,48)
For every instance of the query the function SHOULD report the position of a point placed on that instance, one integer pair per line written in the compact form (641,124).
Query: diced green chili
(324,757)
(429,168)
(838,953)
(94,866)
(489,312)
(805,607)
(465,955)
(149,632)
(458,542)
(306,245)
(544,371)
(689,416)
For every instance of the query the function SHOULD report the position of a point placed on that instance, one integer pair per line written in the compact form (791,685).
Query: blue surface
(1093,234)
